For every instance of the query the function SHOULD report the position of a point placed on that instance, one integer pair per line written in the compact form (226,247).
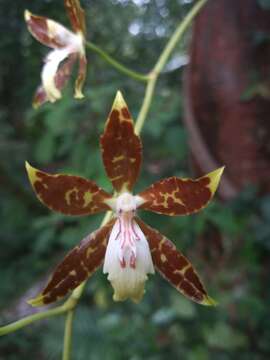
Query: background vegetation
(63,137)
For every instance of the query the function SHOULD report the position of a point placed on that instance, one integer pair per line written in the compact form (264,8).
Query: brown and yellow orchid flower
(68,46)
(129,248)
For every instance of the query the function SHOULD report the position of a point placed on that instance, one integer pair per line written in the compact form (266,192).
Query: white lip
(126,276)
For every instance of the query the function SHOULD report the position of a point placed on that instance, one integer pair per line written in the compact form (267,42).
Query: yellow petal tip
(78,95)
(215,178)
(38,301)
(27,15)
(29,168)
(31,172)
(119,101)
(208,301)
(35,105)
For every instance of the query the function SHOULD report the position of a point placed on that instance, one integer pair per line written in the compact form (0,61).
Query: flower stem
(161,62)
(117,65)
(68,335)
(30,319)
(148,96)
(176,36)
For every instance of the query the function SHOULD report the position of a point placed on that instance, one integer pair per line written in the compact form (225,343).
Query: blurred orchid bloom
(129,248)
(67,47)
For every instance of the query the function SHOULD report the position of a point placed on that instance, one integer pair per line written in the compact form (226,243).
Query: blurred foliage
(265,4)
(228,243)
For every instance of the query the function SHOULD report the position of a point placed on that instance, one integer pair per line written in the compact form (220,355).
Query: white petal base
(128,280)
(49,70)
(53,60)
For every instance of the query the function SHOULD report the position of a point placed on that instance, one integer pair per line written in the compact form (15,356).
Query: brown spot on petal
(125,113)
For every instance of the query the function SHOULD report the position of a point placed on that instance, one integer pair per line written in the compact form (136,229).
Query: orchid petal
(49,72)
(76,15)
(121,147)
(66,45)
(174,267)
(40,97)
(175,196)
(81,77)
(47,31)
(77,266)
(61,77)
(68,194)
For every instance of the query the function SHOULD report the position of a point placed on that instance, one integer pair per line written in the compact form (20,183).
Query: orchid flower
(129,248)
(67,47)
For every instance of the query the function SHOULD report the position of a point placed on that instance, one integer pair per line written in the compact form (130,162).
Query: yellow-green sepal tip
(119,101)
(37,301)
(215,178)
(208,301)
(31,171)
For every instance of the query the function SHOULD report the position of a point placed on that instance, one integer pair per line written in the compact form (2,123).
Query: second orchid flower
(68,46)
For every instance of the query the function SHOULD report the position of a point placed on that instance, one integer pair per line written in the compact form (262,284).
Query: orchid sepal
(121,148)
(78,265)
(68,194)
(180,196)
(175,267)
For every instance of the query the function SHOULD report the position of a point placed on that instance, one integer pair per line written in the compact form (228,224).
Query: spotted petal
(78,265)
(174,267)
(47,31)
(121,147)
(70,195)
(76,15)
(175,196)
(81,76)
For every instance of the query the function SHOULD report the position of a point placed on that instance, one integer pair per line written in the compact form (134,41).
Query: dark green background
(64,138)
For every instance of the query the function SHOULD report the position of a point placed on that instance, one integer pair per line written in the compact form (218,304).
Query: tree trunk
(227,87)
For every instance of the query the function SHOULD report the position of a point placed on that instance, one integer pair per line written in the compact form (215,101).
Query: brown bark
(229,58)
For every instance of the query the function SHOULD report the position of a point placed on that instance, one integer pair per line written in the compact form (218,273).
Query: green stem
(68,335)
(149,92)
(30,319)
(176,36)
(117,65)
(162,60)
